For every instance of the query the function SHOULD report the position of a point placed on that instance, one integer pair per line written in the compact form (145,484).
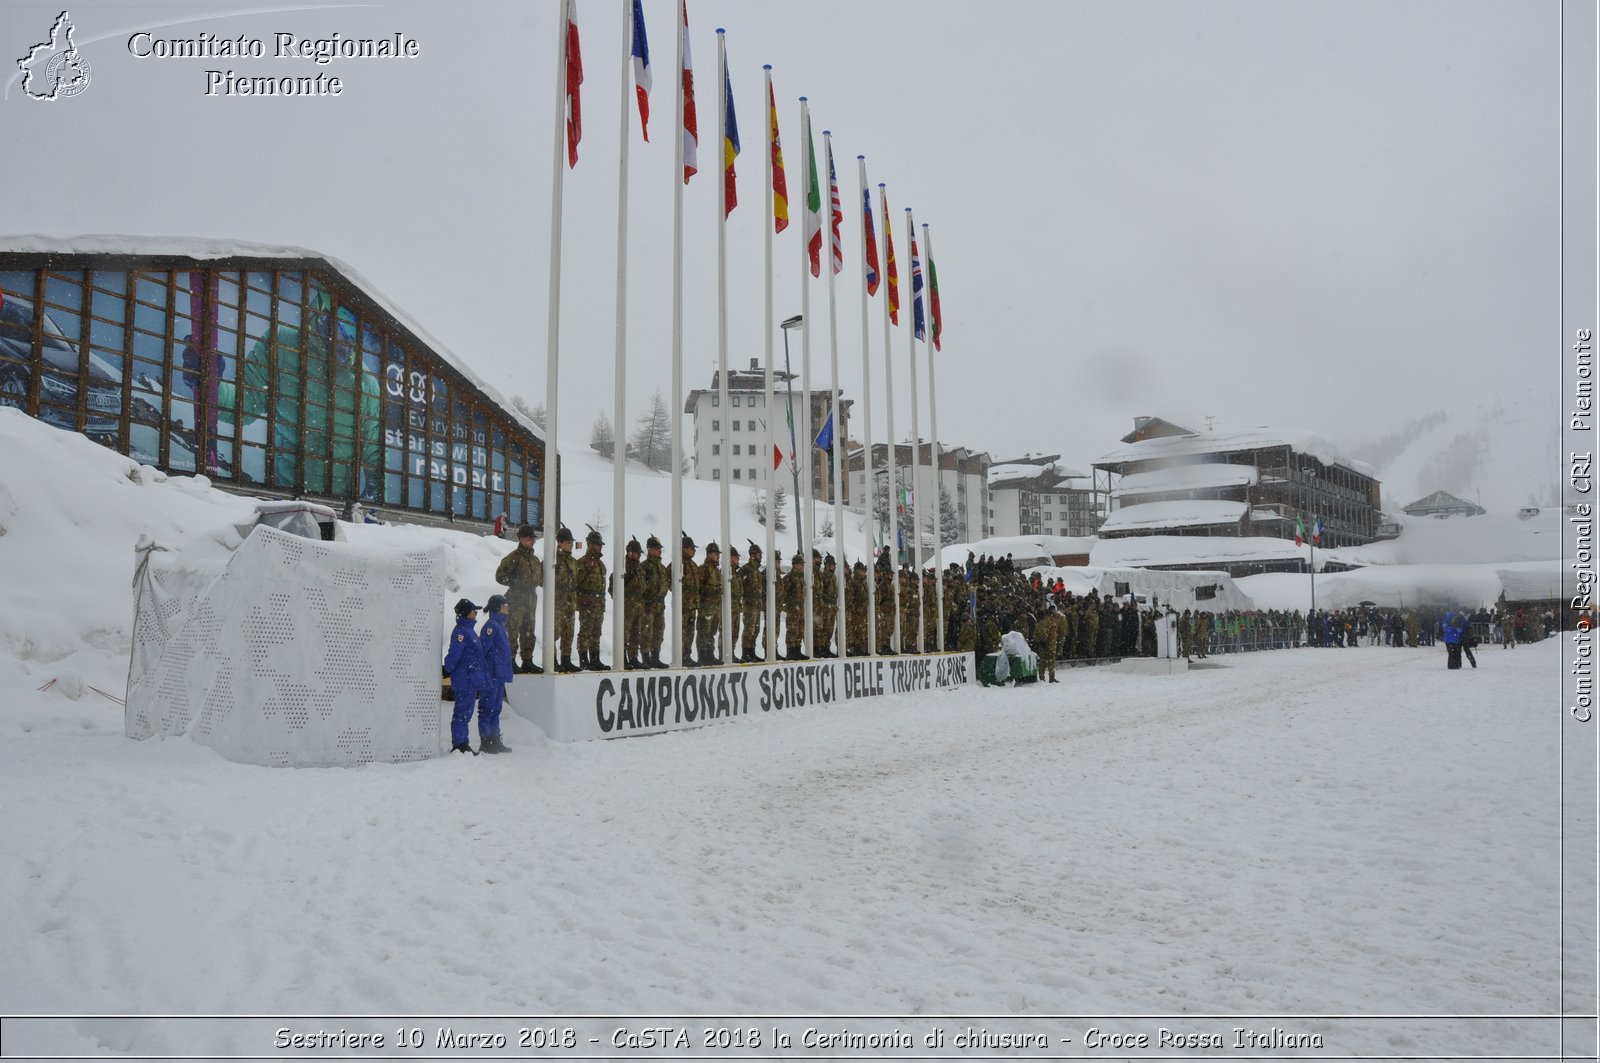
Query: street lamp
(794,447)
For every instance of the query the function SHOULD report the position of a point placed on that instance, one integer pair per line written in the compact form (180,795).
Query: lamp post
(794,447)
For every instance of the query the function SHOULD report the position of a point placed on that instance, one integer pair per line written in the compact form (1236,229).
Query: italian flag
(1299,532)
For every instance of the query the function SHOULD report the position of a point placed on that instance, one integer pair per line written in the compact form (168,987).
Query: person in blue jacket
(1452,640)
(497,672)
(464,665)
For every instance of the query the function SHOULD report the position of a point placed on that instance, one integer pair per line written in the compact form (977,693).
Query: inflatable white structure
(284,651)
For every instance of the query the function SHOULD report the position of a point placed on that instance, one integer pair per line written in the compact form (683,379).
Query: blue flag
(825,437)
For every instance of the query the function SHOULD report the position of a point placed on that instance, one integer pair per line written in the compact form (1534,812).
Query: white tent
(280,650)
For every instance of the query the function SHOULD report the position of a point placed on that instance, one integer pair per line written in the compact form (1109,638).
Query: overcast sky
(1323,216)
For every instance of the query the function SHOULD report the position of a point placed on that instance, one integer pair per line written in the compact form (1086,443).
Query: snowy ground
(1302,832)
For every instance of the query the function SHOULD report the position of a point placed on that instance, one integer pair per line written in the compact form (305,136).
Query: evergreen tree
(652,436)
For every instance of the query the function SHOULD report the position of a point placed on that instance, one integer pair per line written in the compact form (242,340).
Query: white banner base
(589,705)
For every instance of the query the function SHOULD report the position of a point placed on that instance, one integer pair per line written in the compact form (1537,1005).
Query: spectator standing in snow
(497,672)
(1469,637)
(1452,641)
(464,665)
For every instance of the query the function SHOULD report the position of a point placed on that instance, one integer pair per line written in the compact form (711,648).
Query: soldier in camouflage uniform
(709,624)
(655,579)
(955,604)
(1089,626)
(736,599)
(855,611)
(1047,636)
(753,603)
(792,598)
(592,586)
(1185,635)
(566,599)
(885,603)
(825,607)
(690,589)
(930,613)
(633,610)
(522,574)
(910,608)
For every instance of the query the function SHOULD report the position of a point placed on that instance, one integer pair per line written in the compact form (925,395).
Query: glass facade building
(272,376)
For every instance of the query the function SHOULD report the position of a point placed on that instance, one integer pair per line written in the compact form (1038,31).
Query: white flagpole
(771,474)
(833,409)
(866,411)
(933,431)
(548,488)
(893,544)
(808,440)
(726,604)
(619,444)
(916,437)
(676,530)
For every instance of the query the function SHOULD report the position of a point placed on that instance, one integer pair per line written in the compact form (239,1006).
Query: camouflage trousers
(591,610)
(566,624)
(823,624)
(708,625)
(634,627)
(521,630)
(655,628)
(794,619)
(886,628)
(754,613)
(691,623)
(855,633)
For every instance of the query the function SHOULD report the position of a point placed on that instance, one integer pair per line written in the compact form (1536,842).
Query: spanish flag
(780,187)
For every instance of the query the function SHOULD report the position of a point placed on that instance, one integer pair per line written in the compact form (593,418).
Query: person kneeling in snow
(497,672)
(464,665)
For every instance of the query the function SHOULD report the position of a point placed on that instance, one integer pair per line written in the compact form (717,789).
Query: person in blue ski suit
(497,672)
(464,665)
(1453,628)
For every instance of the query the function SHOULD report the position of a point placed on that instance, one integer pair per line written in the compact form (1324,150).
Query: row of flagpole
(568,134)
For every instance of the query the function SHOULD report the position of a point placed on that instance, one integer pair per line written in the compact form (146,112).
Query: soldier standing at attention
(710,615)
(655,579)
(910,606)
(566,599)
(735,600)
(754,604)
(591,587)
(522,574)
(825,607)
(633,624)
(855,611)
(792,598)
(885,602)
(690,589)
(1047,635)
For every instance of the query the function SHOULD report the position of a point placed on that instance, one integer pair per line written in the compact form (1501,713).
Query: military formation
(582,592)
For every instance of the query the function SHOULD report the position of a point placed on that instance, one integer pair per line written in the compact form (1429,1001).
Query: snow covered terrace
(1202,477)
(1201,443)
(1188,513)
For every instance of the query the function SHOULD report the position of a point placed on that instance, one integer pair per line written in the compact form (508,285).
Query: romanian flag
(836,210)
(933,299)
(574,79)
(888,250)
(691,128)
(919,327)
(870,239)
(641,68)
(813,205)
(730,145)
(780,187)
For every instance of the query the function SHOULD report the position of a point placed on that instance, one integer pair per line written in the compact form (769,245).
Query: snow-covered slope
(1504,455)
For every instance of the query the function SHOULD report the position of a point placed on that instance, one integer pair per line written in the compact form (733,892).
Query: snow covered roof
(1232,442)
(1020,547)
(1208,475)
(1019,471)
(205,249)
(1184,513)
(1142,550)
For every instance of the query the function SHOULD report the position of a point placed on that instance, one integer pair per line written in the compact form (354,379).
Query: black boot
(499,745)
(462,747)
(486,744)
(566,666)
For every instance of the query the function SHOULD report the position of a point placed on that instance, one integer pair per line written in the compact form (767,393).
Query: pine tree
(601,437)
(652,438)
(532,413)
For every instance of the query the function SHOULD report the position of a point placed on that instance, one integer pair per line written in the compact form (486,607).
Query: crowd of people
(983,601)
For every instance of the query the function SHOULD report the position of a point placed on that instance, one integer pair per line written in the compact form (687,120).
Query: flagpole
(766,457)
(839,439)
(888,398)
(916,438)
(871,521)
(549,488)
(808,526)
(726,605)
(677,350)
(933,431)
(619,445)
